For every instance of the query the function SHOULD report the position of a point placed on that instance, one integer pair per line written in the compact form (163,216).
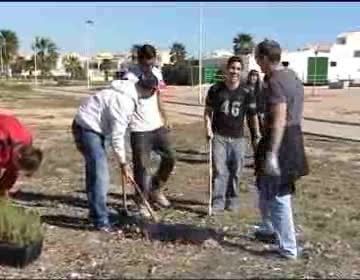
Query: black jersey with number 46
(229,109)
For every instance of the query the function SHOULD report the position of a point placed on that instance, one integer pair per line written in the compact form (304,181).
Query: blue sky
(119,25)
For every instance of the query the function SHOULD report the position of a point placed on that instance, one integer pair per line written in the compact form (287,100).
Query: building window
(357,53)
(341,41)
(333,64)
(285,63)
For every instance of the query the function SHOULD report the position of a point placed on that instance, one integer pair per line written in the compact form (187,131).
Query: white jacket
(109,112)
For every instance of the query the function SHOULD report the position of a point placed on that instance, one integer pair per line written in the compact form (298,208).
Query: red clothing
(12,135)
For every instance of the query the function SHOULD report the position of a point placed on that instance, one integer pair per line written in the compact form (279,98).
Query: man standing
(149,132)
(227,104)
(280,158)
(104,114)
(17,154)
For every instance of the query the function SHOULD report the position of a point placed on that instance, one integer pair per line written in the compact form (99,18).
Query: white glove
(272,164)
(209,134)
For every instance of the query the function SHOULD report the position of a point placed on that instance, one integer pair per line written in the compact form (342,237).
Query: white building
(345,57)
(163,57)
(310,63)
(216,58)
(323,63)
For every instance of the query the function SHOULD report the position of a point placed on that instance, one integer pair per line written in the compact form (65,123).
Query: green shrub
(19,225)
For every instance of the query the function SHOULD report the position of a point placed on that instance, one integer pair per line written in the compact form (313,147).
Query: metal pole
(88,57)
(35,65)
(200,52)
(88,73)
(1,57)
(88,23)
(315,73)
(7,60)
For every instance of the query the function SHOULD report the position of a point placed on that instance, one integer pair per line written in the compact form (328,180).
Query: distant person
(106,114)
(18,156)
(254,82)
(150,133)
(227,104)
(280,158)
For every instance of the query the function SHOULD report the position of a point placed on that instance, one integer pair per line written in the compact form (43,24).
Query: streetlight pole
(315,70)
(1,60)
(200,52)
(88,23)
(1,57)
(35,68)
(35,63)
(7,59)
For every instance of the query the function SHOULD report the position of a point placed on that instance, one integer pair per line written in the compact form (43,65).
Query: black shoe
(269,238)
(232,208)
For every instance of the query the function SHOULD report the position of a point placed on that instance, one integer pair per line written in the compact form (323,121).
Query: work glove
(209,134)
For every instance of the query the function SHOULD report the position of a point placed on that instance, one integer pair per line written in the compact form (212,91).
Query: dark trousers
(142,144)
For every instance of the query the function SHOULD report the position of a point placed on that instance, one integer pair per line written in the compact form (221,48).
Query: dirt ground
(326,204)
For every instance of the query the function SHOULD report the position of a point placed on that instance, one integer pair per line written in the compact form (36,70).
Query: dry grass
(326,211)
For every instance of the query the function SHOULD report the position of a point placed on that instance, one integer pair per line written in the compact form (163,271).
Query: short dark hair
(233,59)
(146,52)
(30,158)
(251,73)
(270,49)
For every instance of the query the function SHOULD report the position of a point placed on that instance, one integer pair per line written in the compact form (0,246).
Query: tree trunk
(246,64)
(246,61)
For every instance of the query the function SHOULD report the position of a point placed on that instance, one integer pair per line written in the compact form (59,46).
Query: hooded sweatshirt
(109,112)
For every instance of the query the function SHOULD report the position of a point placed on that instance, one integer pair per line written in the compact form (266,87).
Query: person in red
(18,157)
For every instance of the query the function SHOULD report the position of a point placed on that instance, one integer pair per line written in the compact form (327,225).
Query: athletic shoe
(158,197)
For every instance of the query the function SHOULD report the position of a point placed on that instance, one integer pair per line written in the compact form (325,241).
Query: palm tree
(243,45)
(177,53)
(18,65)
(134,52)
(30,65)
(106,66)
(46,54)
(9,45)
(73,66)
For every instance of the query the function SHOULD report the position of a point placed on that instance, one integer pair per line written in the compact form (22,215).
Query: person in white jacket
(102,115)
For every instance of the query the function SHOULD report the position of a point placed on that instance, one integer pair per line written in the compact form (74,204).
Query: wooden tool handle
(210,177)
(146,203)
(123,183)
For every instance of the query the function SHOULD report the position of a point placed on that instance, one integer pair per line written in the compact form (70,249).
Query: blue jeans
(276,212)
(92,147)
(228,158)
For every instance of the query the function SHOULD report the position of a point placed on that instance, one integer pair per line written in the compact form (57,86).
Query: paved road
(183,104)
